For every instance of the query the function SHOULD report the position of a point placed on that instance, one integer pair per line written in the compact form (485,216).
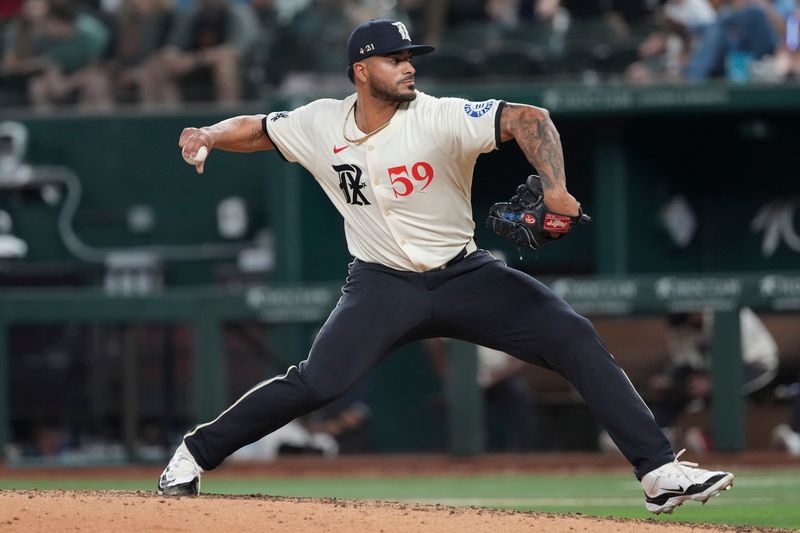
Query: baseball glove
(526,220)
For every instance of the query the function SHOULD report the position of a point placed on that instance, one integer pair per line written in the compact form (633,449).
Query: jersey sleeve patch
(478,109)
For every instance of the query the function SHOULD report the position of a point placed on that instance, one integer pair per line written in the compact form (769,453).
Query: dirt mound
(46,511)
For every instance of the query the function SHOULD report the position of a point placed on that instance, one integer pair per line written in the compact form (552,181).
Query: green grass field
(759,498)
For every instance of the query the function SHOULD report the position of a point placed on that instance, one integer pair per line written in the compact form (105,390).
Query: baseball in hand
(198,158)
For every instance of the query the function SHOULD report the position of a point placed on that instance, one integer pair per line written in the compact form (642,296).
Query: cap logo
(402,29)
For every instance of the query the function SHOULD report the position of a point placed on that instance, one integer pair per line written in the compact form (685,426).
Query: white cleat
(669,485)
(181,477)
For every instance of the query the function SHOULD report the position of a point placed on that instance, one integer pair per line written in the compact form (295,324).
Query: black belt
(461,255)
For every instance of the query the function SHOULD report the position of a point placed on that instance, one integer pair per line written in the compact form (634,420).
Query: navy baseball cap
(379,37)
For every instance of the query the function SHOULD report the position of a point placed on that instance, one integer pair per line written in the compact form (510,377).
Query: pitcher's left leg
(503,308)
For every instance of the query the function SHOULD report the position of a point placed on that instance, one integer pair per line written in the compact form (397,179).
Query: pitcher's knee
(577,327)
(323,391)
(577,338)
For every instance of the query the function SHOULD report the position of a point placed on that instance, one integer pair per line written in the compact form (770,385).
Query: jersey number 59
(401,182)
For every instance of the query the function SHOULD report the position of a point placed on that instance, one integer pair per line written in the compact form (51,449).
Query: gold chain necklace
(365,137)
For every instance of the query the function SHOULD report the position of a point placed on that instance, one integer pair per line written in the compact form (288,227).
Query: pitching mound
(47,511)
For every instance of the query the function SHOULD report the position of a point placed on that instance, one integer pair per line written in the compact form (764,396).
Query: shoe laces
(684,463)
(687,468)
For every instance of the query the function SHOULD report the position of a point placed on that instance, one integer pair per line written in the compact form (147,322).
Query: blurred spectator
(212,43)
(72,48)
(701,39)
(23,39)
(664,53)
(141,29)
(741,33)
(506,394)
(686,381)
(22,45)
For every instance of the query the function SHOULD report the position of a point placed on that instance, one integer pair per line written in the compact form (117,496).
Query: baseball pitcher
(397,164)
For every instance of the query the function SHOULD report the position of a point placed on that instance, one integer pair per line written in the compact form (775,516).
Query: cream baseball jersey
(404,193)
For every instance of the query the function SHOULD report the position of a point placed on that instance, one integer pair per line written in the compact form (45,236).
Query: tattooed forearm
(239,134)
(536,134)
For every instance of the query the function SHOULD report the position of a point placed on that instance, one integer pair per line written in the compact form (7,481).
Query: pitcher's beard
(390,93)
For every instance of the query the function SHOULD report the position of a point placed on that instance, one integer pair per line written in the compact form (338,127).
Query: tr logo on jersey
(351,185)
(279,115)
(402,29)
(478,109)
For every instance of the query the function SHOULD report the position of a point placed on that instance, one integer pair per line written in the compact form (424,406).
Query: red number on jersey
(420,171)
(400,175)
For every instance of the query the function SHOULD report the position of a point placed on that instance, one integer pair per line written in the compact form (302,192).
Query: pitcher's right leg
(378,306)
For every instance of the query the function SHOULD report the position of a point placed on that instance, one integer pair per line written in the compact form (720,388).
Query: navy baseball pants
(478,299)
